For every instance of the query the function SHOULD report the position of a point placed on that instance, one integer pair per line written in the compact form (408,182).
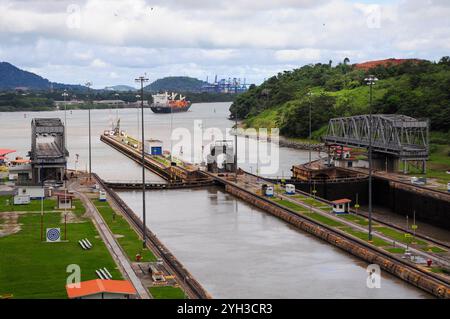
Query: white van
(269,191)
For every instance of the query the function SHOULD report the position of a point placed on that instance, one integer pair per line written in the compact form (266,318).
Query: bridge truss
(400,136)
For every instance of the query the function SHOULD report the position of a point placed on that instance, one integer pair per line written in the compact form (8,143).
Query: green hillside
(419,89)
(176,84)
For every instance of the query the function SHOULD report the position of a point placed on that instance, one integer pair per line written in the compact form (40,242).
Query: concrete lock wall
(403,200)
(333,191)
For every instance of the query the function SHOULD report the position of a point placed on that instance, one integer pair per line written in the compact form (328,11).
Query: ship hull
(167,109)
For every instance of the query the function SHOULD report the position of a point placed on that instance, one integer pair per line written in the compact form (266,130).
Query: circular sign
(53,234)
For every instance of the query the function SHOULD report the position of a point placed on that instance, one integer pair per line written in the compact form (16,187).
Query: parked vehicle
(290,189)
(418,180)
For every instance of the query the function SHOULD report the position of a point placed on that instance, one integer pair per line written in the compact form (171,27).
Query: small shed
(153,147)
(64,200)
(341,206)
(101,289)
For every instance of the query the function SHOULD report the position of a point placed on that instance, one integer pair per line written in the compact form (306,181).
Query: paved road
(113,246)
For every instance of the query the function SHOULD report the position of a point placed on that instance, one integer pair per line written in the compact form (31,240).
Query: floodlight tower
(88,85)
(142,80)
(370,80)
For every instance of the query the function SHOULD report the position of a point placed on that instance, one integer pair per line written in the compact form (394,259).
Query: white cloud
(98,63)
(249,38)
(298,55)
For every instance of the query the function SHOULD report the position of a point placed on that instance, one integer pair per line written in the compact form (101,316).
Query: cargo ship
(165,103)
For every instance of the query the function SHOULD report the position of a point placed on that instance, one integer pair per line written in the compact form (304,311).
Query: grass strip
(126,236)
(167,292)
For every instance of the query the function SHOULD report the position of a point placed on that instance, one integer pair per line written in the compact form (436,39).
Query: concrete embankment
(354,246)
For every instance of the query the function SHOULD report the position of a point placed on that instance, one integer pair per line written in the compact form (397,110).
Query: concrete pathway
(113,246)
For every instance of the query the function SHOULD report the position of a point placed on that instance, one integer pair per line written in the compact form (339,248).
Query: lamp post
(171,130)
(309,147)
(142,80)
(89,84)
(371,80)
(65,94)
(138,96)
(235,144)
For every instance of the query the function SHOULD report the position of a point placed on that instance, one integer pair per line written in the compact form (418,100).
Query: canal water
(233,249)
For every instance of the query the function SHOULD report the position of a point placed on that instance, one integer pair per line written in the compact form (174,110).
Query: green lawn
(398,236)
(439,270)
(79,208)
(355,219)
(395,250)
(6,205)
(435,249)
(289,204)
(32,269)
(313,202)
(166,292)
(364,236)
(129,240)
(323,219)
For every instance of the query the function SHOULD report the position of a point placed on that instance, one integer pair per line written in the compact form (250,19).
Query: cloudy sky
(110,42)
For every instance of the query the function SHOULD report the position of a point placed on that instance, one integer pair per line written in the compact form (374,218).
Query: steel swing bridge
(396,135)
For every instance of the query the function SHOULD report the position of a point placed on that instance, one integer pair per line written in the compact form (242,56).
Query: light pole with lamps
(138,96)
(88,85)
(370,80)
(142,80)
(310,94)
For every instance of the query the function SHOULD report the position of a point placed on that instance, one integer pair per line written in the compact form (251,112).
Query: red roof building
(341,206)
(101,289)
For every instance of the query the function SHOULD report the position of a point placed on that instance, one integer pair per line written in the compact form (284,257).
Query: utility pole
(371,80)
(138,125)
(235,145)
(89,84)
(309,141)
(171,130)
(142,80)
(65,117)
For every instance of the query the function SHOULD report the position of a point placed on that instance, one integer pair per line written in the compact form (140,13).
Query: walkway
(112,245)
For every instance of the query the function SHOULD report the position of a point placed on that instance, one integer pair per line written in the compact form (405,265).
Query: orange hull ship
(165,103)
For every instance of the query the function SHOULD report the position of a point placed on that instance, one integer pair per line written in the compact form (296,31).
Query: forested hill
(12,78)
(416,88)
(176,84)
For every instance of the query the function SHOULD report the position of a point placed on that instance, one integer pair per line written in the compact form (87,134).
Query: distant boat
(165,103)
